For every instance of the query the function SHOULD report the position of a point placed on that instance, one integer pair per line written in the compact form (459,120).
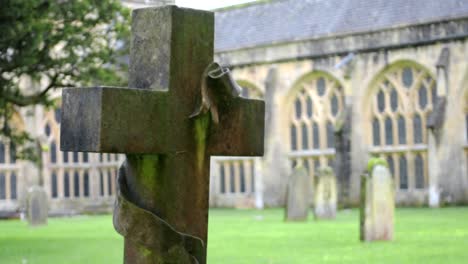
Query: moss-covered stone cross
(169,123)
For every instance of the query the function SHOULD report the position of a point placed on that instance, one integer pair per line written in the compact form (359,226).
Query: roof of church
(280,21)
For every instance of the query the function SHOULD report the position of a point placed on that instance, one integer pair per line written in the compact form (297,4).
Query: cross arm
(113,120)
(240,129)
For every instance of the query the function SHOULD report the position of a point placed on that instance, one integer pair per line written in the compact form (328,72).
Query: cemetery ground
(422,235)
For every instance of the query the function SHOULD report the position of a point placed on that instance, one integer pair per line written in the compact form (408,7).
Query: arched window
(316,103)
(401,100)
(10,170)
(236,174)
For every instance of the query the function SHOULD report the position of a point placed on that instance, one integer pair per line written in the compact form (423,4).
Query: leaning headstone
(377,202)
(325,194)
(297,205)
(37,206)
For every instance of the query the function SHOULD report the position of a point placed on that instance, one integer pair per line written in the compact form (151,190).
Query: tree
(55,44)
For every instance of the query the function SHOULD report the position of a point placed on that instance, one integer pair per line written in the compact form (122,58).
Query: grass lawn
(422,236)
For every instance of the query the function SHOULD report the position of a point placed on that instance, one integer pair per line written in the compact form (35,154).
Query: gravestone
(377,204)
(180,109)
(37,206)
(298,193)
(325,194)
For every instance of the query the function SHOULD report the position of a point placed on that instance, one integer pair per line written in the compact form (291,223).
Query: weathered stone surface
(184,109)
(325,194)
(297,206)
(37,206)
(377,205)
(343,155)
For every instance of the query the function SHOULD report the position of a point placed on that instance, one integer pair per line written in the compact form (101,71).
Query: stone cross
(179,110)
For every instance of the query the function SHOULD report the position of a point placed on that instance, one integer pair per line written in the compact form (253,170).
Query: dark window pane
(330,135)
(48,130)
(57,115)
(293,137)
(422,96)
(100,157)
(419,171)
(321,87)
(54,187)
(252,175)
(381,101)
(434,95)
(388,131)
(403,173)
(316,136)
(391,165)
(222,178)
(466,124)
(101,183)
(394,99)
(316,166)
(232,178)
(417,129)
(305,139)
(334,105)
(407,77)
(86,184)
(109,183)
(242,177)
(12,152)
(65,156)
(2,152)
(13,184)
(76,183)
(310,109)
(75,157)
(109,157)
(401,130)
(2,186)
(298,108)
(85,157)
(53,152)
(376,131)
(66,184)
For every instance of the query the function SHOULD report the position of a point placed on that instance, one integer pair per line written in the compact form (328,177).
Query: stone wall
(357,66)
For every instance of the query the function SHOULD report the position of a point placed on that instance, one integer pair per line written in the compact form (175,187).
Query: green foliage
(374,161)
(248,236)
(45,45)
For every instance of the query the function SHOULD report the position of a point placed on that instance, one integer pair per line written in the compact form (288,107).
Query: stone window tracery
(317,102)
(10,170)
(402,99)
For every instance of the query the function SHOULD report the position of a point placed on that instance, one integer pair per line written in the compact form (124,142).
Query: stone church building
(342,79)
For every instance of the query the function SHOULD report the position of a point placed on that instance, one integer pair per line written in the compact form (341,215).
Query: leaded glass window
(86,184)
(76,184)
(403,173)
(66,184)
(419,171)
(316,103)
(2,186)
(402,99)
(13,186)
(54,185)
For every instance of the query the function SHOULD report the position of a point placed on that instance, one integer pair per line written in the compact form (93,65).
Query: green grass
(422,236)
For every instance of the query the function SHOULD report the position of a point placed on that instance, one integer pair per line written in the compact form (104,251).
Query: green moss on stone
(376,161)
